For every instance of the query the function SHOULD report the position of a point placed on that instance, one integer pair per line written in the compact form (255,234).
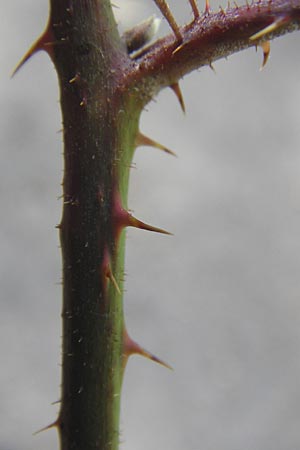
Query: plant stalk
(90,58)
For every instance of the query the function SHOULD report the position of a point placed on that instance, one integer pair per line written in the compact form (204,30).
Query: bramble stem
(90,59)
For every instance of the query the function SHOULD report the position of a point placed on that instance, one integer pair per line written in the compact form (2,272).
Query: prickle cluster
(259,37)
(142,33)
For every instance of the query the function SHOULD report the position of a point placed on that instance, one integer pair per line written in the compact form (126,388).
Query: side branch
(212,36)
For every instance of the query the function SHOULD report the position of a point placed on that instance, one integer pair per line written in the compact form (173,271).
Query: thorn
(136,223)
(266,47)
(166,12)
(177,91)
(130,347)
(83,102)
(194,8)
(270,28)
(141,139)
(179,47)
(75,79)
(222,11)
(122,218)
(113,281)
(109,275)
(48,427)
(212,68)
(207,7)
(44,42)
(56,402)
(107,272)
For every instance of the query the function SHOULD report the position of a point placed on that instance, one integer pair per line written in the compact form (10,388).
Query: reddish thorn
(130,347)
(107,272)
(120,216)
(123,218)
(48,427)
(44,42)
(177,91)
(207,7)
(141,139)
(133,222)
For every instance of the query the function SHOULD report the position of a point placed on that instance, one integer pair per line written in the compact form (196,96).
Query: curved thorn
(166,12)
(141,139)
(212,68)
(136,223)
(177,91)
(270,28)
(44,42)
(266,47)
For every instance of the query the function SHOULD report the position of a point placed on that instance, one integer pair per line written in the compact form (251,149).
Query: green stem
(99,133)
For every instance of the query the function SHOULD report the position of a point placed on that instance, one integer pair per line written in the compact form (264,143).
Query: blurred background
(219,300)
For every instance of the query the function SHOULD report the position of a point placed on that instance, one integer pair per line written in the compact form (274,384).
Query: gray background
(219,300)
